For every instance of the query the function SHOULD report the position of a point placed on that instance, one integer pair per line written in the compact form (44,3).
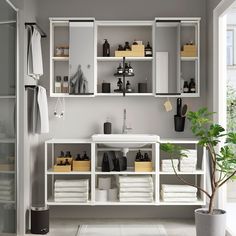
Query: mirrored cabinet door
(81,57)
(167,57)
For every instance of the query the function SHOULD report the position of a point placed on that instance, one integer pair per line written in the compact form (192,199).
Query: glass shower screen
(8,112)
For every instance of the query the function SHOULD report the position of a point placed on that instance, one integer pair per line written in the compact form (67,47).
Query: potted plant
(222,160)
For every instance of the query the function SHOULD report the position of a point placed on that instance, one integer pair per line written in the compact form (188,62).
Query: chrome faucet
(125,129)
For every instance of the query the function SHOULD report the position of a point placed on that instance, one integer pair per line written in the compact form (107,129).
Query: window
(231,46)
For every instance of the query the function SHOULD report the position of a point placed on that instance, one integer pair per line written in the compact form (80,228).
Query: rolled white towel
(73,195)
(72,183)
(178,188)
(72,189)
(176,195)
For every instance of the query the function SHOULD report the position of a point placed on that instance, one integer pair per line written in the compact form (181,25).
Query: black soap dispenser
(107,127)
(106,48)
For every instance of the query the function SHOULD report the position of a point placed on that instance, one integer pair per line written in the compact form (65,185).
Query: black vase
(179,123)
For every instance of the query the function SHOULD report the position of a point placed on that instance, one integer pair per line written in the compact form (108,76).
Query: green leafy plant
(220,146)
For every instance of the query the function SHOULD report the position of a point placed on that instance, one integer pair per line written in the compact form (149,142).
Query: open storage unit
(154,175)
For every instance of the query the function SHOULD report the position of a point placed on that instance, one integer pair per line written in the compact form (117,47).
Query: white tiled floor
(173,227)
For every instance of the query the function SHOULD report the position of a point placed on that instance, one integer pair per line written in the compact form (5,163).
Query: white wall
(85,116)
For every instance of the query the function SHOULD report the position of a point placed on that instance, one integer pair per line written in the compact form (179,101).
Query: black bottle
(128,87)
(135,43)
(60,164)
(120,84)
(106,48)
(67,162)
(186,88)
(119,69)
(85,157)
(192,86)
(148,50)
(62,154)
(78,158)
(146,157)
(138,156)
(120,47)
(131,70)
(126,68)
(68,154)
(127,47)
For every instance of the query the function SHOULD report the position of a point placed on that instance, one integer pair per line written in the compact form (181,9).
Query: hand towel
(189,169)
(176,195)
(139,190)
(169,165)
(43,119)
(187,165)
(71,190)
(73,195)
(34,57)
(187,199)
(178,188)
(71,183)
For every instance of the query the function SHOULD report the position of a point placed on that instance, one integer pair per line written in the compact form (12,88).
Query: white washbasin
(125,140)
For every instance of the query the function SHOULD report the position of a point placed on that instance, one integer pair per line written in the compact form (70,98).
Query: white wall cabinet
(96,150)
(163,73)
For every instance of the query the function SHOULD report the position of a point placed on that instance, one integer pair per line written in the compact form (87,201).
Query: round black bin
(39,220)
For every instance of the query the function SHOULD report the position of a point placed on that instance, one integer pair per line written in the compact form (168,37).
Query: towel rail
(43,34)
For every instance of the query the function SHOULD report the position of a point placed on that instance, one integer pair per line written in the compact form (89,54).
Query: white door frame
(220,73)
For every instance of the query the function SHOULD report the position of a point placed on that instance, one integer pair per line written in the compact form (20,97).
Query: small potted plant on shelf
(222,160)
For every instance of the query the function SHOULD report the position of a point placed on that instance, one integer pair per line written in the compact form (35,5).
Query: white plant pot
(210,224)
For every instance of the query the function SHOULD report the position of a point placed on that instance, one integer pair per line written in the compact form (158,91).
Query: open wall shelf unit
(163,72)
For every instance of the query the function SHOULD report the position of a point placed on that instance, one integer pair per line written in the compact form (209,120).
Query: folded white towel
(72,183)
(169,165)
(169,161)
(176,195)
(188,199)
(6,182)
(178,188)
(136,190)
(191,169)
(169,169)
(187,165)
(188,160)
(70,199)
(133,185)
(72,189)
(136,199)
(7,188)
(74,195)
(134,194)
(6,193)
(132,179)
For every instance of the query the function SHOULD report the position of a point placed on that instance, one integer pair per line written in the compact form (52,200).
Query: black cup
(179,123)
(107,127)
(106,87)
(142,87)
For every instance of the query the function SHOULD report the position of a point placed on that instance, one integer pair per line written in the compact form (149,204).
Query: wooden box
(143,166)
(189,48)
(81,166)
(129,54)
(66,168)
(137,48)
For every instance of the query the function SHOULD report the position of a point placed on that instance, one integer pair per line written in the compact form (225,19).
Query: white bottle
(58,84)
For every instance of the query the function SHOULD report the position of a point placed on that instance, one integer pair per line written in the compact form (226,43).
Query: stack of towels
(71,190)
(7,190)
(136,188)
(188,163)
(178,193)
(166,165)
